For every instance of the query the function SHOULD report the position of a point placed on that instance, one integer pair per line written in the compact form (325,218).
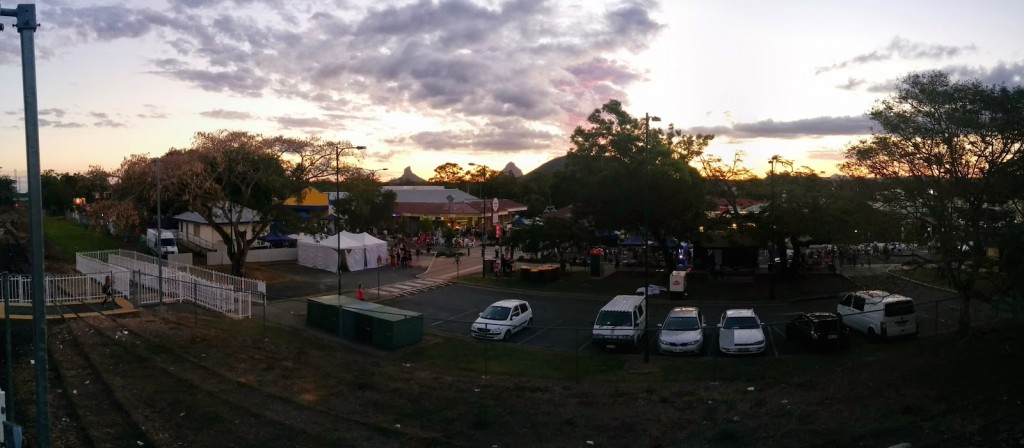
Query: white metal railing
(240,283)
(146,282)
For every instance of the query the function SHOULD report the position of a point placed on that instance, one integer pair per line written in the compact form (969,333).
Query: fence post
(937,320)
(9,397)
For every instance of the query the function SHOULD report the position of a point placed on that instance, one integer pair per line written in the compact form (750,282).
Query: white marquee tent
(359,251)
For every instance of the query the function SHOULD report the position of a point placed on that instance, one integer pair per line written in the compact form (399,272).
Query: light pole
(647,226)
(337,199)
(771,233)
(160,238)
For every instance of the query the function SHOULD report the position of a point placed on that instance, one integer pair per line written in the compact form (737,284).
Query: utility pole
(647,229)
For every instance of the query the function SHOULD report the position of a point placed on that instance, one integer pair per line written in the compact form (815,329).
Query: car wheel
(529,323)
(507,335)
(872,336)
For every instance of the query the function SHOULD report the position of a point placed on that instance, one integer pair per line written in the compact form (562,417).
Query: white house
(197,233)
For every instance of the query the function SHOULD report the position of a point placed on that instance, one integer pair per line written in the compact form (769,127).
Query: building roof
(308,197)
(247,215)
(474,207)
(428,193)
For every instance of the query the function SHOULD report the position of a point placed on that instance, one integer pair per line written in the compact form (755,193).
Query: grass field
(66,238)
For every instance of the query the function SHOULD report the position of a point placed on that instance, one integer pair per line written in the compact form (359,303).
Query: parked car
(502,319)
(823,331)
(620,323)
(682,331)
(878,314)
(740,332)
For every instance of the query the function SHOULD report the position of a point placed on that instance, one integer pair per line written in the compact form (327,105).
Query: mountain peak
(512,170)
(408,177)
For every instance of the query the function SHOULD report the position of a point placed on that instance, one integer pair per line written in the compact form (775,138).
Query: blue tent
(633,240)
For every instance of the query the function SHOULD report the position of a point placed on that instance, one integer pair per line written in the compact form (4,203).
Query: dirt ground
(169,379)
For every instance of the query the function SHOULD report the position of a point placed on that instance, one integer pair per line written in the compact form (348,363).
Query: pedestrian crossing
(407,288)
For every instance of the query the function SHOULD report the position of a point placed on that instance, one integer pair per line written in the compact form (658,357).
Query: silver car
(740,332)
(682,331)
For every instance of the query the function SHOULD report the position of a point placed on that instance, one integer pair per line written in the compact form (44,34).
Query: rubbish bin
(596,267)
(488,266)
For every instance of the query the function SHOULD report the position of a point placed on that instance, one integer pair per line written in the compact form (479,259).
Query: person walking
(108,291)
(360,295)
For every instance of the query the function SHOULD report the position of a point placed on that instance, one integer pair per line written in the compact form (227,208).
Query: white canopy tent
(358,251)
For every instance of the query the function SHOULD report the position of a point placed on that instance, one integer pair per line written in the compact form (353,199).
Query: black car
(823,331)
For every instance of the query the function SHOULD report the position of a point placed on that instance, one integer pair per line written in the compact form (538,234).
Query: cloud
(1009,74)
(528,60)
(59,113)
(1003,73)
(227,114)
(852,84)
(903,49)
(59,124)
(306,123)
(808,127)
(499,135)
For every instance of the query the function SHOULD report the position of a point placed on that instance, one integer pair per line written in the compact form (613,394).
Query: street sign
(494,204)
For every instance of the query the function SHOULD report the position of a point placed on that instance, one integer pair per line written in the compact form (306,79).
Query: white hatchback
(740,332)
(503,318)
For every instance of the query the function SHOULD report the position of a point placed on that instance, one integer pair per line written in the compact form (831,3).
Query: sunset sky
(421,83)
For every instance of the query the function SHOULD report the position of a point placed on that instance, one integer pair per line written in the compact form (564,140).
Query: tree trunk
(238,261)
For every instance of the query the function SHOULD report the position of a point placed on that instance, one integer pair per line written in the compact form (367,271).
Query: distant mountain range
(410,178)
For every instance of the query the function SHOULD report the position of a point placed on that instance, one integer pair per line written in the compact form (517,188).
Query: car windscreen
(900,308)
(496,312)
(740,322)
(614,319)
(682,323)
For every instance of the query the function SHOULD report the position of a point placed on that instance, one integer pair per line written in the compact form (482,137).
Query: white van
(878,313)
(620,323)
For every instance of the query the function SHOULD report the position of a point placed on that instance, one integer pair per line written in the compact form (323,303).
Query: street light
(647,226)
(337,198)
(771,233)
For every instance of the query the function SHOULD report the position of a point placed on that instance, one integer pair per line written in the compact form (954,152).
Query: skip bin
(324,313)
(381,326)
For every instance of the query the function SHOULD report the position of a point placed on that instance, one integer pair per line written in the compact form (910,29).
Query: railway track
(146,379)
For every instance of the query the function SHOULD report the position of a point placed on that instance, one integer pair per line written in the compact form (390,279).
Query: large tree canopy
(619,174)
(954,149)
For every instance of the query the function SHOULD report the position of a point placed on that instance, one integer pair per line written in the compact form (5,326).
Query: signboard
(494,205)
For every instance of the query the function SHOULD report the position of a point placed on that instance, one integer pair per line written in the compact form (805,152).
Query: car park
(818,330)
(682,331)
(502,319)
(740,332)
(620,323)
(878,314)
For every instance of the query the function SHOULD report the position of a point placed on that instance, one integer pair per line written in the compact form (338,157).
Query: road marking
(534,333)
(452,318)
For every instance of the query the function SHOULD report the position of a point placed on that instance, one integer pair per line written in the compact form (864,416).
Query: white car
(503,318)
(740,332)
(682,332)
